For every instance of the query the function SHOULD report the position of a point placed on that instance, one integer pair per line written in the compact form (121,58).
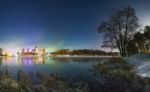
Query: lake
(65,66)
(103,74)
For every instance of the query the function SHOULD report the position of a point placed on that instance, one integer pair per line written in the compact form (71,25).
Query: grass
(120,75)
(116,75)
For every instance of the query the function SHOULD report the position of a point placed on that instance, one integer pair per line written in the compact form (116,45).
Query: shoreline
(88,56)
(62,56)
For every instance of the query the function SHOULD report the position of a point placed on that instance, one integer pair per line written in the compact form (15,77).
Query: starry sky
(58,24)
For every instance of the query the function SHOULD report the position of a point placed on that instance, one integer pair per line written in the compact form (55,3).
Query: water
(67,66)
(112,74)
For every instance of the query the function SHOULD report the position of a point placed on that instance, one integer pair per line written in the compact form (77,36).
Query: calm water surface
(67,66)
(113,75)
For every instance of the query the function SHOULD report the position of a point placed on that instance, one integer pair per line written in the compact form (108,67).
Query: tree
(132,48)
(147,38)
(139,40)
(1,51)
(119,29)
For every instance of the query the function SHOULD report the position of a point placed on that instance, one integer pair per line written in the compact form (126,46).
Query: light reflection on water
(68,66)
(114,75)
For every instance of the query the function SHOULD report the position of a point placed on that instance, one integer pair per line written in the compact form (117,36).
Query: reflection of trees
(5,60)
(118,76)
(1,59)
(79,59)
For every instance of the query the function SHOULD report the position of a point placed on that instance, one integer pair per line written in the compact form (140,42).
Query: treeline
(83,52)
(1,51)
(140,43)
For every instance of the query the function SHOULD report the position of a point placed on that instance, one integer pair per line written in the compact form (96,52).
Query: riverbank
(86,56)
(141,63)
(75,75)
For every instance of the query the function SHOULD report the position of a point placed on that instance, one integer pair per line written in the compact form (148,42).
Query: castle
(35,51)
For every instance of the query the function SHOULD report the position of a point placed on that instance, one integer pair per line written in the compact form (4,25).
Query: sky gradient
(58,24)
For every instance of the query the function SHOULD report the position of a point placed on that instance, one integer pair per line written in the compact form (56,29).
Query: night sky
(58,24)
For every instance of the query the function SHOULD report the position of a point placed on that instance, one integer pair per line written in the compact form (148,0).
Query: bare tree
(119,29)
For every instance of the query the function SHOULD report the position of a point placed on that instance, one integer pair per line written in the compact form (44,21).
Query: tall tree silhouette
(139,40)
(119,29)
(132,48)
(147,38)
(1,51)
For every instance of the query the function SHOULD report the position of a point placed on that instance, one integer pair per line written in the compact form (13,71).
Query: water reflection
(33,60)
(108,74)
(44,60)
(23,60)
(80,59)
(6,59)
(68,66)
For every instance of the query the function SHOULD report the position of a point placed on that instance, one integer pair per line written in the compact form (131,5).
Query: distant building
(35,51)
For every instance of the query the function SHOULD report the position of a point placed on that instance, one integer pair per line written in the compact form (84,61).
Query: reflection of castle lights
(28,61)
(33,60)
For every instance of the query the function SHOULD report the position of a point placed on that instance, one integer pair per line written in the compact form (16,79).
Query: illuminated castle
(35,51)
